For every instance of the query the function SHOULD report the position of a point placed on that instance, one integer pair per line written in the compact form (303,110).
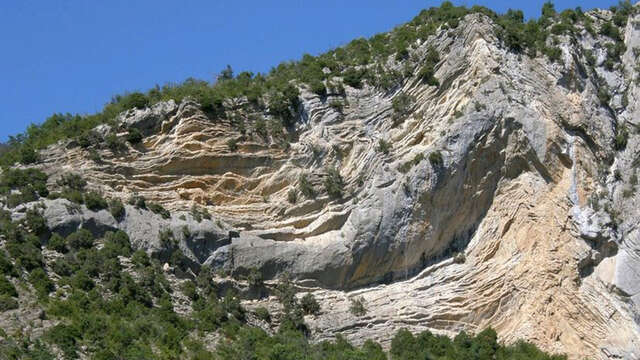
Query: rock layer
(531,189)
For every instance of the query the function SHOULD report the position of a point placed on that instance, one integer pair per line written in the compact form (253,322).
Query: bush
(353,77)
(140,258)
(41,282)
(384,146)
(138,201)
(72,181)
(6,267)
(401,104)
(28,156)
(292,196)
(622,138)
(7,303)
(116,208)
(306,188)
(134,136)
(333,183)
(115,144)
(81,239)
(7,288)
(262,313)
(36,223)
(95,201)
(232,144)
(310,305)
(57,243)
(357,307)
(82,281)
(160,210)
(427,71)
(135,100)
(318,88)
(188,288)
(435,158)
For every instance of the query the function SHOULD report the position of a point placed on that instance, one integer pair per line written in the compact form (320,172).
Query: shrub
(160,210)
(82,281)
(116,208)
(41,282)
(337,105)
(140,258)
(255,278)
(28,156)
(353,77)
(138,201)
(333,183)
(81,239)
(62,267)
(292,196)
(603,95)
(232,144)
(166,238)
(36,223)
(135,100)
(134,136)
(384,146)
(7,303)
(435,158)
(72,181)
(115,144)
(57,243)
(401,104)
(263,314)
(427,71)
(610,30)
(306,188)
(310,305)
(6,267)
(318,87)
(188,288)
(95,201)
(7,288)
(357,307)
(27,253)
(622,138)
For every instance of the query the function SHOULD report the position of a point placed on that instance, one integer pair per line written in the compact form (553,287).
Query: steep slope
(502,196)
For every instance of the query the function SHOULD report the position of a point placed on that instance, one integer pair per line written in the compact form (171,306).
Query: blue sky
(73,55)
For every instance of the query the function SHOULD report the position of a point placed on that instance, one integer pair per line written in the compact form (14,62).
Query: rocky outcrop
(530,188)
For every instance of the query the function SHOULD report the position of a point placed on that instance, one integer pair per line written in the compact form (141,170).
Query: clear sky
(73,55)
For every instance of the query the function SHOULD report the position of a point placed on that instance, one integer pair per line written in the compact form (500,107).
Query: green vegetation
(306,188)
(622,137)
(435,158)
(309,304)
(357,307)
(117,209)
(333,183)
(383,146)
(30,184)
(292,196)
(401,105)
(159,209)
(94,201)
(404,168)
(134,136)
(200,213)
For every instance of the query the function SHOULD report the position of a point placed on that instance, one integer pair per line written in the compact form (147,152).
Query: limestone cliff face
(531,190)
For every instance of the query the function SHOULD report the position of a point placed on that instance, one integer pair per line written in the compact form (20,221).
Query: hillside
(465,173)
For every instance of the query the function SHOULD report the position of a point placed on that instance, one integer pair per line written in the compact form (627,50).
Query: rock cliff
(505,196)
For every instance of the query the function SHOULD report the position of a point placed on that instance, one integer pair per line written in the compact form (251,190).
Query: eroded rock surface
(531,189)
